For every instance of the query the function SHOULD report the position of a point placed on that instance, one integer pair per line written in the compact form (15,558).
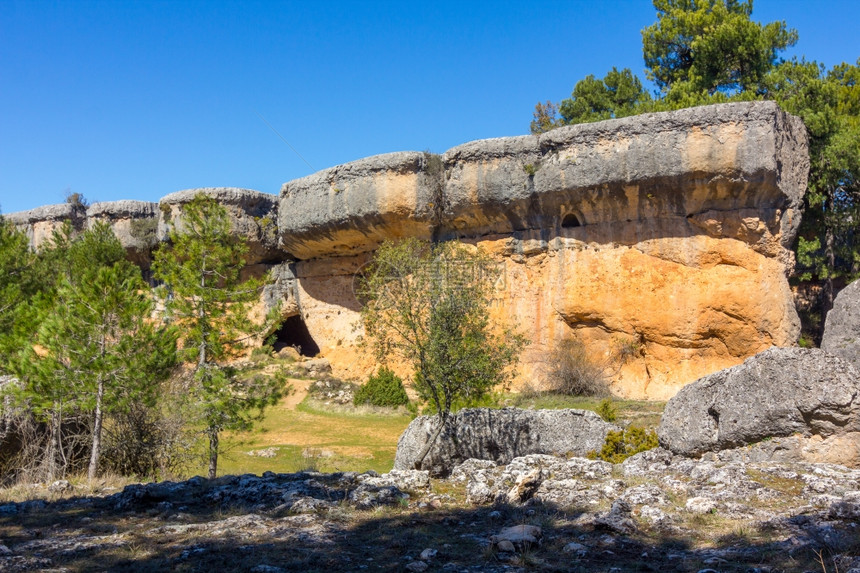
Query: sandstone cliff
(665,233)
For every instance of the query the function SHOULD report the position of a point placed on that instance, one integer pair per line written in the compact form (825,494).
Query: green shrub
(607,410)
(383,389)
(622,444)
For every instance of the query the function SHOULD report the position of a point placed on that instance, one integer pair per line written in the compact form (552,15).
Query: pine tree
(18,282)
(209,304)
(98,350)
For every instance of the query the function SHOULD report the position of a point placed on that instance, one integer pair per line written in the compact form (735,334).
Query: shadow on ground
(202,525)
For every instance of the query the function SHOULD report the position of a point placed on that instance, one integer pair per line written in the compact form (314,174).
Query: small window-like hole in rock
(294,332)
(570,220)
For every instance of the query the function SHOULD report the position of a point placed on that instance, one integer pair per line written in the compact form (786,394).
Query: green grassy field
(312,435)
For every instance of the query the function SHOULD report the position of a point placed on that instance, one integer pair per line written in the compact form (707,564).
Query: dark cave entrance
(570,221)
(294,332)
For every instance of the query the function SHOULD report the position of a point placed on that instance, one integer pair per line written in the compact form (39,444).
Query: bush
(383,389)
(622,444)
(573,372)
(607,410)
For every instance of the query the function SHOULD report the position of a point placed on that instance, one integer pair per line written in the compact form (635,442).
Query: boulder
(842,327)
(500,436)
(780,392)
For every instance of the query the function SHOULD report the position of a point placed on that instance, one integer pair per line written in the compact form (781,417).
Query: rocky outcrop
(842,326)
(353,207)
(654,512)
(500,436)
(253,217)
(40,223)
(665,233)
(779,393)
(668,232)
(705,164)
(135,224)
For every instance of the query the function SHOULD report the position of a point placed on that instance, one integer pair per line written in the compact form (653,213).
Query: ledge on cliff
(663,165)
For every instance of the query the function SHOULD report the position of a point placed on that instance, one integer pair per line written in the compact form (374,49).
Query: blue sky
(135,100)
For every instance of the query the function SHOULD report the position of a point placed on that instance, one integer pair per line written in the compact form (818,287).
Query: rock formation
(135,223)
(806,394)
(500,436)
(40,223)
(655,512)
(666,233)
(842,326)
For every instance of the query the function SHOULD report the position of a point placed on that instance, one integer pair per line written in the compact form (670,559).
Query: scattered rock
(617,519)
(407,480)
(818,504)
(526,486)
(700,505)
(428,554)
(314,366)
(60,486)
(416,566)
(518,537)
(578,548)
(264,453)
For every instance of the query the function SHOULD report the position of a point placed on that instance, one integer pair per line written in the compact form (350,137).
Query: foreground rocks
(654,512)
(782,392)
(500,436)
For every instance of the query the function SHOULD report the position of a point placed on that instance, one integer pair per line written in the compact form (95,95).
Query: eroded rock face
(253,216)
(664,232)
(351,208)
(500,436)
(842,327)
(779,393)
(666,235)
(40,223)
(135,224)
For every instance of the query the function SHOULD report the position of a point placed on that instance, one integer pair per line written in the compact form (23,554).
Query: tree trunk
(97,433)
(429,444)
(54,447)
(830,253)
(213,454)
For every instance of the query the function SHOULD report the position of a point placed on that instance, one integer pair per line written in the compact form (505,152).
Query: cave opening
(294,332)
(569,221)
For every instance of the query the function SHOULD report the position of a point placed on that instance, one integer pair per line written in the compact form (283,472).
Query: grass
(309,434)
(311,437)
(639,412)
(331,437)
